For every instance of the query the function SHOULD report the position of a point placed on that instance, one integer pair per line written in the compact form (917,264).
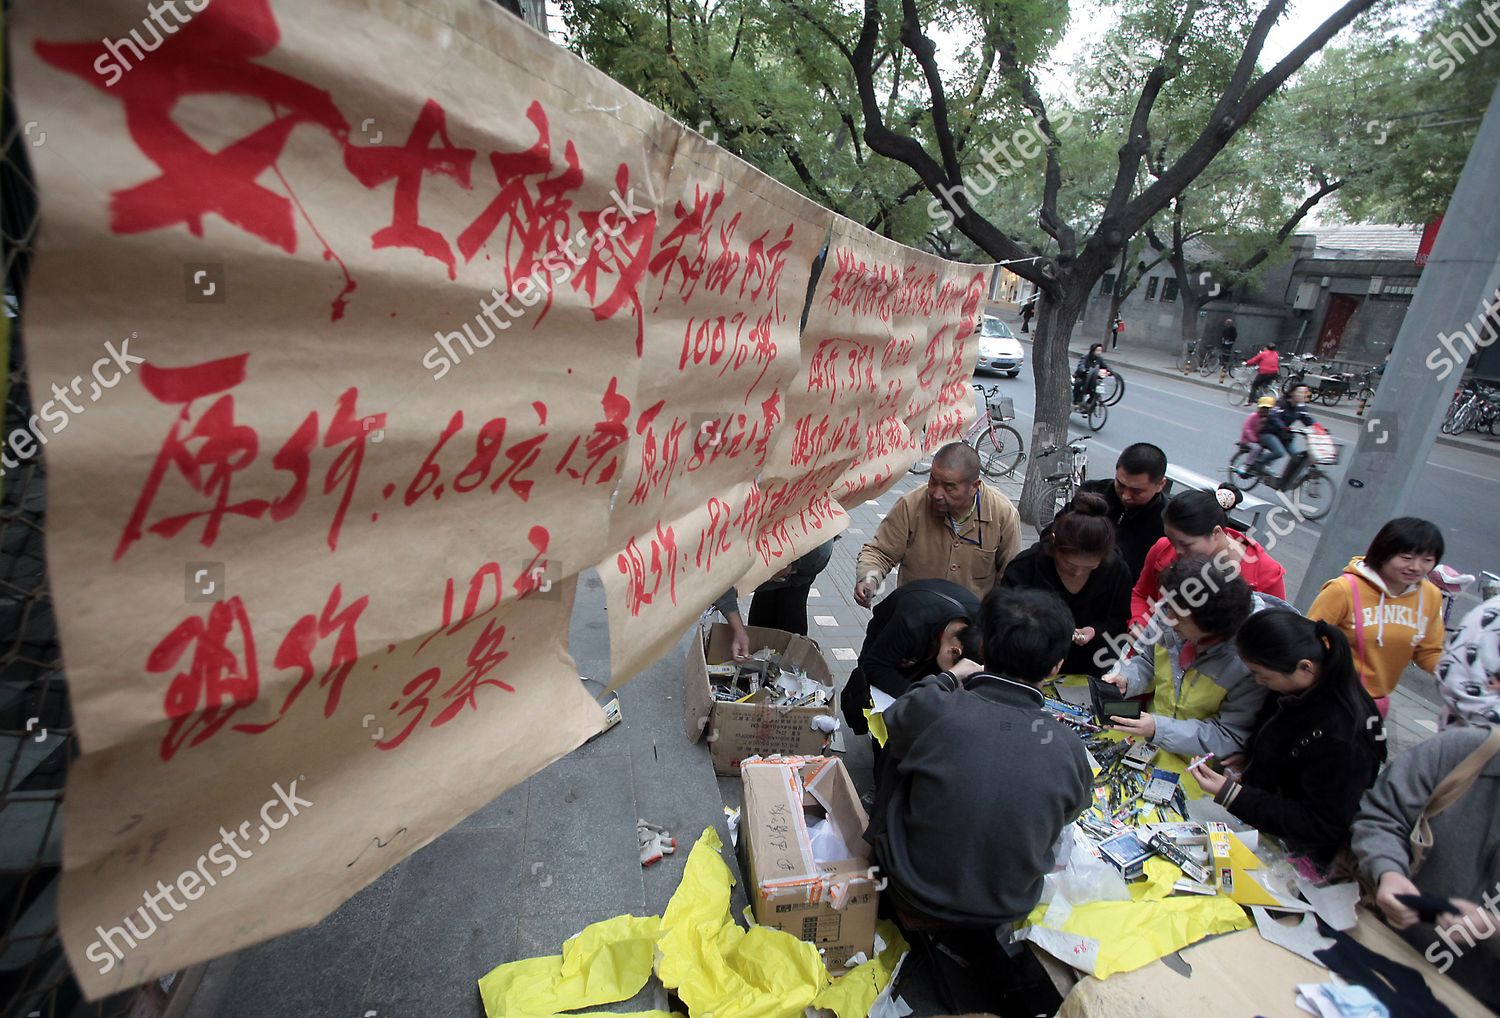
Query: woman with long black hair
(1319,742)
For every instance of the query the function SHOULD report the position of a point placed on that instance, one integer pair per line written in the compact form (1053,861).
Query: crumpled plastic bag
(715,966)
(608,961)
(1105,937)
(850,996)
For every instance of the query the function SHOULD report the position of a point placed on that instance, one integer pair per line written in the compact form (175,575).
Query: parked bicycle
(1065,483)
(1000,446)
(1201,357)
(1308,488)
(1475,407)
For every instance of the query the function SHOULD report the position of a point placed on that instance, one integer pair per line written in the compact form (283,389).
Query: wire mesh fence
(37,740)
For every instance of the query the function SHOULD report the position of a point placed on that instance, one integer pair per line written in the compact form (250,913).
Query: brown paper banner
(728,280)
(357,329)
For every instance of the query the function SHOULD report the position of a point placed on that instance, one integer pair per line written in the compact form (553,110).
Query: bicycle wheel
(1314,495)
(1098,413)
(1331,397)
(1117,393)
(923,465)
(1239,393)
(1206,365)
(1001,449)
(1240,475)
(1057,499)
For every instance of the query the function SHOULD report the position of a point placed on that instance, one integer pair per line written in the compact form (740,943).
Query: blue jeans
(1271,450)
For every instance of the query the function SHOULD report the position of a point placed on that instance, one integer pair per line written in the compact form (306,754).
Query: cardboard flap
(697,698)
(773,822)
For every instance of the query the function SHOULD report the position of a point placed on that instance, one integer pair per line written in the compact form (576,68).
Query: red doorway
(1340,309)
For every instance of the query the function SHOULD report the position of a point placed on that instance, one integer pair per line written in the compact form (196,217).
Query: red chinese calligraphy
(219,679)
(206,454)
(407,164)
(296,653)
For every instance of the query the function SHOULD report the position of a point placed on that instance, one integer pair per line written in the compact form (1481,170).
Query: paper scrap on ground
(714,966)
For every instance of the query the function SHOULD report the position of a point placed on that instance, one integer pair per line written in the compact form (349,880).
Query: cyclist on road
(1267,365)
(1276,433)
(1086,374)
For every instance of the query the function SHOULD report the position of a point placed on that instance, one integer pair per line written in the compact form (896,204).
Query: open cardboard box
(739,730)
(830,904)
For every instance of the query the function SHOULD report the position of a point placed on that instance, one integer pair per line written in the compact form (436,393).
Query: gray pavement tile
(453,919)
(318,971)
(581,827)
(371,905)
(506,810)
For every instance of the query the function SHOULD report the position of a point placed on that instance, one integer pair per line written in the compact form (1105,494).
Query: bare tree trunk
(1050,369)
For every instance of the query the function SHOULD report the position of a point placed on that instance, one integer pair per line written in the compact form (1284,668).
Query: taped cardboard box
(739,730)
(832,903)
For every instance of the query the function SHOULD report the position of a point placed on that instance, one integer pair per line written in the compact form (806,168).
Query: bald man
(957,528)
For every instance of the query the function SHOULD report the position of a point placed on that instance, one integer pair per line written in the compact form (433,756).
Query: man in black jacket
(978,781)
(1136,500)
(913,633)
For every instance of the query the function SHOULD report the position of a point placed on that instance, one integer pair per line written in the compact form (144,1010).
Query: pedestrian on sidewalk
(1469,670)
(1079,562)
(1386,607)
(1028,309)
(956,528)
(1318,743)
(779,603)
(1195,523)
(1203,698)
(1135,501)
(979,780)
(1116,327)
(1228,336)
(1431,825)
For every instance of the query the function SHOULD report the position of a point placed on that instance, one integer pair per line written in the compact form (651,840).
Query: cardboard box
(739,730)
(831,904)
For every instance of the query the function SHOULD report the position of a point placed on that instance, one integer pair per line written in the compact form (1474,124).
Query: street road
(1196,427)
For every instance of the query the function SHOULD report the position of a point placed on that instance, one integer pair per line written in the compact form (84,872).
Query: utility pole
(1446,317)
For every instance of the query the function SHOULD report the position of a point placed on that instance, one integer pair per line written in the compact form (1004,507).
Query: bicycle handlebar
(993,390)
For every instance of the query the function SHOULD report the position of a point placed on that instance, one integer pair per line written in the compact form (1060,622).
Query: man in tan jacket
(957,528)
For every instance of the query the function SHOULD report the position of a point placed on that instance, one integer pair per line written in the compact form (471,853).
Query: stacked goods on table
(780,701)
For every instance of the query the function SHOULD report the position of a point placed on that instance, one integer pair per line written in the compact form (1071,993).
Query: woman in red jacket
(1267,365)
(1195,524)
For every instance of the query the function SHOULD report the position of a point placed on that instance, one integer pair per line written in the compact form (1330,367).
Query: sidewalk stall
(1154,867)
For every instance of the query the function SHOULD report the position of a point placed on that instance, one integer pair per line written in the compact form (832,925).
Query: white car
(999,349)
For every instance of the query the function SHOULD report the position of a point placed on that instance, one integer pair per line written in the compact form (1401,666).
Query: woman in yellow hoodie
(1389,611)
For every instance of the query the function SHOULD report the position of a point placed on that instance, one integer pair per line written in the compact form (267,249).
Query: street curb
(1483,448)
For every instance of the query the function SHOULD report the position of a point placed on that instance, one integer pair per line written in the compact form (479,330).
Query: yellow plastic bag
(850,996)
(608,961)
(1119,936)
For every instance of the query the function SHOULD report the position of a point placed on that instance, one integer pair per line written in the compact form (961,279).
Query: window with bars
(1107,284)
(1151,287)
(1169,291)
